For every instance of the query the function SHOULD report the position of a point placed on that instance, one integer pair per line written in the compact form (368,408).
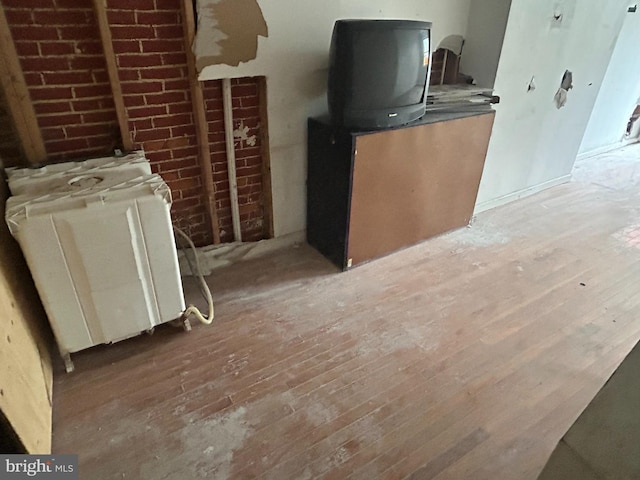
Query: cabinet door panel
(413,183)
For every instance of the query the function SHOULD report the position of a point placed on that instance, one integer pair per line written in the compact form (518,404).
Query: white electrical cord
(192,310)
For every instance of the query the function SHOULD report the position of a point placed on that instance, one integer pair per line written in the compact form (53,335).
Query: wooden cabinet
(372,193)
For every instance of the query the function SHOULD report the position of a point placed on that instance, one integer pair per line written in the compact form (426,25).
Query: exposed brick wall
(246,113)
(246,116)
(59,47)
(152,65)
(58,43)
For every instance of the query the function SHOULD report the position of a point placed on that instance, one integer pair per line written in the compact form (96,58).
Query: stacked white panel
(101,251)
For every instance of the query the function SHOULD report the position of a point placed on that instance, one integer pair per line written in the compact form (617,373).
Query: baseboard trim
(510,197)
(606,148)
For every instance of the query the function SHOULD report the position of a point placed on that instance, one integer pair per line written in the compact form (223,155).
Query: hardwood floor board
(534,427)
(478,375)
(466,356)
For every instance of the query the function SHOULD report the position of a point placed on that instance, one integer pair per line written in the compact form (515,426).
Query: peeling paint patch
(228,32)
(242,134)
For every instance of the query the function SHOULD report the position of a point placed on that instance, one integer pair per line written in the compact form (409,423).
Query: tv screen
(378,72)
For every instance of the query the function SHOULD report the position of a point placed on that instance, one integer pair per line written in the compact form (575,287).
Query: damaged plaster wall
(294,58)
(620,92)
(534,144)
(228,32)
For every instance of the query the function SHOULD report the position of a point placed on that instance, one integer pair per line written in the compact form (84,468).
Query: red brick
(186,151)
(56,48)
(165,4)
(106,142)
(156,73)
(77,32)
(62,17)
(121,17)
(87,62)
(126,46)
(92,91)
(246,112)
(249,152)
(134,101)
(154,134)
(88,105)
(132,60)
(7,4)
(43,108)
(18,17)
(178,58)
(180,108)
(132,4)
(137,32)
(33,78)
(167,17)
(254,160)
(141,124)
(172,120)
(177,84)
(214,105)
(244,91)
(50,93)
(68,78)
(213,87)
(70,4)
(165,98)
(128,74)
(217,136)
(246,171)
(169,31)
(89,47)
(59,120)
(158,156)
(33,33)
(100,76)
(26,49)
(187,192)
(103,116)
(44,64)
(184,183)
(69,145)
(53,133)
(182,204)
(146,111)
(174,144)
(182,130)
(78,131)
(159,46)
(193,172)
(141,87)
(249,101)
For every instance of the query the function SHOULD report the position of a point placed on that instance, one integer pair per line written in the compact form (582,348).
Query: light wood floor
(466,357)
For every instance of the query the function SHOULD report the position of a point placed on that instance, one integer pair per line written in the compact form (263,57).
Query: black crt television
(378,72)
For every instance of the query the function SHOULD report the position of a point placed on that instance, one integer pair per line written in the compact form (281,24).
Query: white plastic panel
(70,176)
(103,257)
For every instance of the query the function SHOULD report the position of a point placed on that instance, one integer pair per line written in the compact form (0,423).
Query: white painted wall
(620,91)
(533,144)
(294,58)
(483,42)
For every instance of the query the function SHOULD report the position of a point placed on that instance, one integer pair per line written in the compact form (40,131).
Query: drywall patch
(228,32)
